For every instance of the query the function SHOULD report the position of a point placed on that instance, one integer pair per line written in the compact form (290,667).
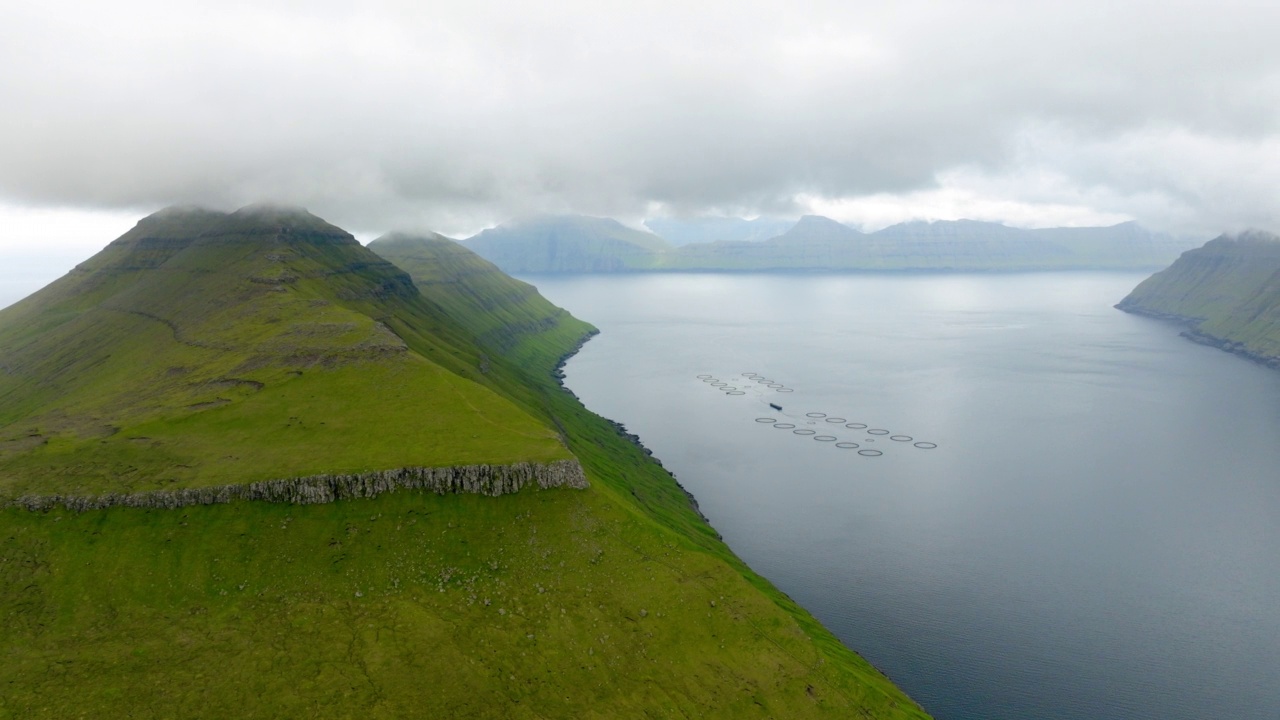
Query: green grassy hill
(201,349)
(231,344)
(1227,293)
(507,315)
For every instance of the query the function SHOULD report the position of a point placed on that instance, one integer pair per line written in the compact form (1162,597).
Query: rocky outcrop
(491,480)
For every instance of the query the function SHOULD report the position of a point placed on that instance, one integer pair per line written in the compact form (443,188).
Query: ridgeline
(573,244)
(266,472)
(1227,293)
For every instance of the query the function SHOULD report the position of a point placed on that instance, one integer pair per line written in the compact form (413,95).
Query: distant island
(577,244)
(1226,293)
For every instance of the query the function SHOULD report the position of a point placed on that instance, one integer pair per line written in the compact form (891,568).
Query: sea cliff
(1226,293)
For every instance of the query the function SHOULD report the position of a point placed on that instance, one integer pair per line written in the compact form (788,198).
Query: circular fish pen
(848,445)
(825,438)
(870,453)
(835,420)
(901,438)
(856,426)
(926,445)
(784,426)
(877,431)
(804,431)
(785,390)
(815,415)
(735,392)
(767,420)
(703,377)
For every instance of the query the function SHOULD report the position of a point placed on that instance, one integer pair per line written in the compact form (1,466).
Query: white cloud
(455,115)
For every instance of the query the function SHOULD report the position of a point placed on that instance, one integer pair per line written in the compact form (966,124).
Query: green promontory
(1227,293)
(262,359)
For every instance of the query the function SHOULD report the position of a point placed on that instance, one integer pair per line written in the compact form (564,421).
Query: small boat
(775,407)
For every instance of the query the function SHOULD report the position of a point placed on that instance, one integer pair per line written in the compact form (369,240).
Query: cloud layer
(425,115)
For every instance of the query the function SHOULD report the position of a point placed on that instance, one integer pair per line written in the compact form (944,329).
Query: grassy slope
(507,315)
(198,352)
(621,472)
(1228,291)
(614,602)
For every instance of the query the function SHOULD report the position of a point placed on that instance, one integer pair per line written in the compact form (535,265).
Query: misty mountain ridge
(569,244)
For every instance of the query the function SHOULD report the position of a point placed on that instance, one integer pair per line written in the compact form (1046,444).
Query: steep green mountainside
(570,243)
(613,601)
(507,315)
(624,472)
(203,348)
(819,243)
(1227,292)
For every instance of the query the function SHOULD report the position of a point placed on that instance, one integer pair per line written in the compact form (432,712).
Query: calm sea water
(1096,534)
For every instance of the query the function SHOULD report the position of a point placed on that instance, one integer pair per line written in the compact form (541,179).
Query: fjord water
(1095,535)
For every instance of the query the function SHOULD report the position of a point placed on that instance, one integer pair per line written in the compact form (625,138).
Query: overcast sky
(454,116)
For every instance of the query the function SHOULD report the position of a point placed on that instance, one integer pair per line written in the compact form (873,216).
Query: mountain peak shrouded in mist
(818,226)
(195,310)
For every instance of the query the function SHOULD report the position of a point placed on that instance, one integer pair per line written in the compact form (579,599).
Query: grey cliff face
(491,480)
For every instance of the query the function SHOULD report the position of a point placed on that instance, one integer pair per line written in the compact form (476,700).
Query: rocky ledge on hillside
(491,480)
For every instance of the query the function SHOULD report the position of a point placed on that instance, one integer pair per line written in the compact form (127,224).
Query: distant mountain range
(715,229)
(1227,293)
(576,244)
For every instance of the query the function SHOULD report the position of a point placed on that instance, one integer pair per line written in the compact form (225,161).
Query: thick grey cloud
(453,116)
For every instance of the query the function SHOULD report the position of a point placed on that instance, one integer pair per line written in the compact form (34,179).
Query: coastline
(1195,335)
(557,373)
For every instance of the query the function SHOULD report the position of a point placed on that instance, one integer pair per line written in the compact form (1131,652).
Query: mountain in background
(567,244)
(714,229)
(250,468)
(1227,293)
(819,243)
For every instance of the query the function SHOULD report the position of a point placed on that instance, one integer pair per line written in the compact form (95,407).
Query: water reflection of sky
(1093,537)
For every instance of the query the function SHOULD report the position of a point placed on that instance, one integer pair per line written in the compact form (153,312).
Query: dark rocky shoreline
(1202,338)
(558,374)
